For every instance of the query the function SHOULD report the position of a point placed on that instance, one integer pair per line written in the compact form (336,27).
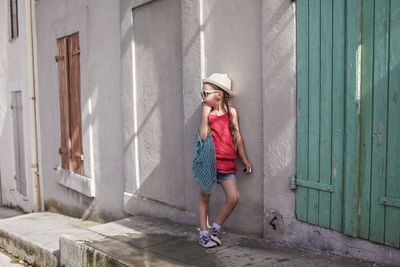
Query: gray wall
(158,101)
(232,44)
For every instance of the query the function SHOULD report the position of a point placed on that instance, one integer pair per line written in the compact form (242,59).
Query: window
(70,103)
(13,19)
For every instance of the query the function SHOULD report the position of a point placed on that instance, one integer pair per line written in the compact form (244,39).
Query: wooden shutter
(382,154)
(75,103)
(63,86)
(348,117)
(321,68)
(70,103)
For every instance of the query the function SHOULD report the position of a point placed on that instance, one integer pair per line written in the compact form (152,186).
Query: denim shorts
(225,176)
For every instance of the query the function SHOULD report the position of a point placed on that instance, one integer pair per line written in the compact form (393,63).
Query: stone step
(34,237)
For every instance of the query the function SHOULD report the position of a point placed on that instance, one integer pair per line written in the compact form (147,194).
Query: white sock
(216,226)
(204,233)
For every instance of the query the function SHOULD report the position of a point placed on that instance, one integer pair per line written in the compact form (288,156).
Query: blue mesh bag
(204,164)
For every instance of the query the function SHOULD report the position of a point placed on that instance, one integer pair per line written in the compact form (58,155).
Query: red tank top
(224,147)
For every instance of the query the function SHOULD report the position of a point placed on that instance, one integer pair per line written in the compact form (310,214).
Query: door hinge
(393,202)
(59,58)
(76,52)
(79,156)
(309,184)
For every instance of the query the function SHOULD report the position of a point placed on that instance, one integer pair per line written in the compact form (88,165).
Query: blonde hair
(232,128)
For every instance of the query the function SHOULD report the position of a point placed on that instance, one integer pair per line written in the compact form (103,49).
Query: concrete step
(7,212)
(34,237)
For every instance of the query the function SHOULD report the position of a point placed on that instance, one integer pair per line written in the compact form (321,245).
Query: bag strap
(199,138)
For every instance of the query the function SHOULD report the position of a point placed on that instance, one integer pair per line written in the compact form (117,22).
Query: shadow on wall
(280,73)
(158,85)
(164,179)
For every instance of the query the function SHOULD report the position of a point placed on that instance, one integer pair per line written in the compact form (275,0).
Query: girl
(221,121)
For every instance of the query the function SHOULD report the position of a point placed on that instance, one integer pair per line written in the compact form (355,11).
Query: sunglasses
(206,93)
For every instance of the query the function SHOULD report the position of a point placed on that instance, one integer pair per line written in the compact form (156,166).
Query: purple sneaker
(215,235)
(206,242)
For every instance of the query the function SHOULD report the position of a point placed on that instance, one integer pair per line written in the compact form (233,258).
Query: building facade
(118,106)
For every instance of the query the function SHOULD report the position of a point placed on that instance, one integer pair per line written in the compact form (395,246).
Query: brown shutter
(75,103)
(62,61)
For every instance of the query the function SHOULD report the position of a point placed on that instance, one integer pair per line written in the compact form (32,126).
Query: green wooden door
(348,117)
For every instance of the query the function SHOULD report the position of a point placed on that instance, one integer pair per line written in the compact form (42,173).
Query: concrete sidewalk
(49,239)
(149,241)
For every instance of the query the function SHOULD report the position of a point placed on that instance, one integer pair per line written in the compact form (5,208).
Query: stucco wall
(14,76)
(279,105)
(157,103)
(232,44)
(99,193)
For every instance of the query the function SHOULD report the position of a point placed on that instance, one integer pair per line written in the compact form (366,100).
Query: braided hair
(232,128)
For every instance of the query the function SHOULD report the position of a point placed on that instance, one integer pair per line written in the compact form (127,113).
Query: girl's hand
(247,164)
(206,107)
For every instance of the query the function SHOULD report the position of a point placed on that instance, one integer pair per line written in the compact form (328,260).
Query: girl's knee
(204,197)
(233,199)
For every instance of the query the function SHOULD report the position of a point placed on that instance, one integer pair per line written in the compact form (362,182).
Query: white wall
(98,194)
(14,76)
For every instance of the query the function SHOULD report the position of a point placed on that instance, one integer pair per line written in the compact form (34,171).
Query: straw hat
(221,80)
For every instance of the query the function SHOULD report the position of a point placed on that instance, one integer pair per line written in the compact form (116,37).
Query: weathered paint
(350,76)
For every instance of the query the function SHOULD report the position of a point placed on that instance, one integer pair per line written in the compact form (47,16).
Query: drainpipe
(34,130)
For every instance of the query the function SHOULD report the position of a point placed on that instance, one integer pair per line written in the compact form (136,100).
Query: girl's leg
(202,210)
(232,198)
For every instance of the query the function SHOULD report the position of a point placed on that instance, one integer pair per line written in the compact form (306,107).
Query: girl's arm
(203,128)
(240,143)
